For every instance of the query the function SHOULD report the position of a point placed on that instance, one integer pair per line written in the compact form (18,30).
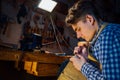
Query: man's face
(84,29)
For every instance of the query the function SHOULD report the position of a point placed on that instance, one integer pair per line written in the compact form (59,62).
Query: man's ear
(90,19)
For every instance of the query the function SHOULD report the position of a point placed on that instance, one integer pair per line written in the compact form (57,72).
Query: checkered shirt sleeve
(107,52)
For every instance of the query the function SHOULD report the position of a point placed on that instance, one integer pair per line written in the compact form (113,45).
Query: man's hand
(78,61)
(81,50)
(81,55)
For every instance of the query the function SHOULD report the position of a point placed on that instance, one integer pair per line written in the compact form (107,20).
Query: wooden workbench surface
(13,55)
(35,63)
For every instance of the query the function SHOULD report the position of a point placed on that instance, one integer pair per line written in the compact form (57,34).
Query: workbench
(35,63)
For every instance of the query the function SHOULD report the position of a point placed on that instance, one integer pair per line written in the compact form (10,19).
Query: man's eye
(75,29)
(78,29)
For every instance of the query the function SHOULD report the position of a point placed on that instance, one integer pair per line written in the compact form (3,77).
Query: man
(105,47)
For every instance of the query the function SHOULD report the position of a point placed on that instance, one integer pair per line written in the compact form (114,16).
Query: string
(55,34)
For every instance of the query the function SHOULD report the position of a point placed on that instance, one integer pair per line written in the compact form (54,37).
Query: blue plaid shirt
(107,51)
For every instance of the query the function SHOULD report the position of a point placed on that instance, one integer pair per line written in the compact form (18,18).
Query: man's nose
(79,35)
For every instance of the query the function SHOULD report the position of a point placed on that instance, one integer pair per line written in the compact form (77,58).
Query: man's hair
(79,10)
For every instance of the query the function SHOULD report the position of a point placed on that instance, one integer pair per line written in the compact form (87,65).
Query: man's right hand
(82,49)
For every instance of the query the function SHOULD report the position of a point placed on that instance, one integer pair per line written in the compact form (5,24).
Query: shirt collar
(94,38)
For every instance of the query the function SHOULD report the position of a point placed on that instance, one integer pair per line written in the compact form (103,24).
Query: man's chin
(88,40)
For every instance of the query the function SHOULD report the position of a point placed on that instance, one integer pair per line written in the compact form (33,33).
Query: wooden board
(41,69)
(13,55)
(35,63)
(10,55)
(42,64)
(44,57)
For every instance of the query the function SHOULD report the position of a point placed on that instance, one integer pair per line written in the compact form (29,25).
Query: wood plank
(42,64)
(47,69)
(44,58)
(41,69)
(35,63)
(10,55)
(13,55)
